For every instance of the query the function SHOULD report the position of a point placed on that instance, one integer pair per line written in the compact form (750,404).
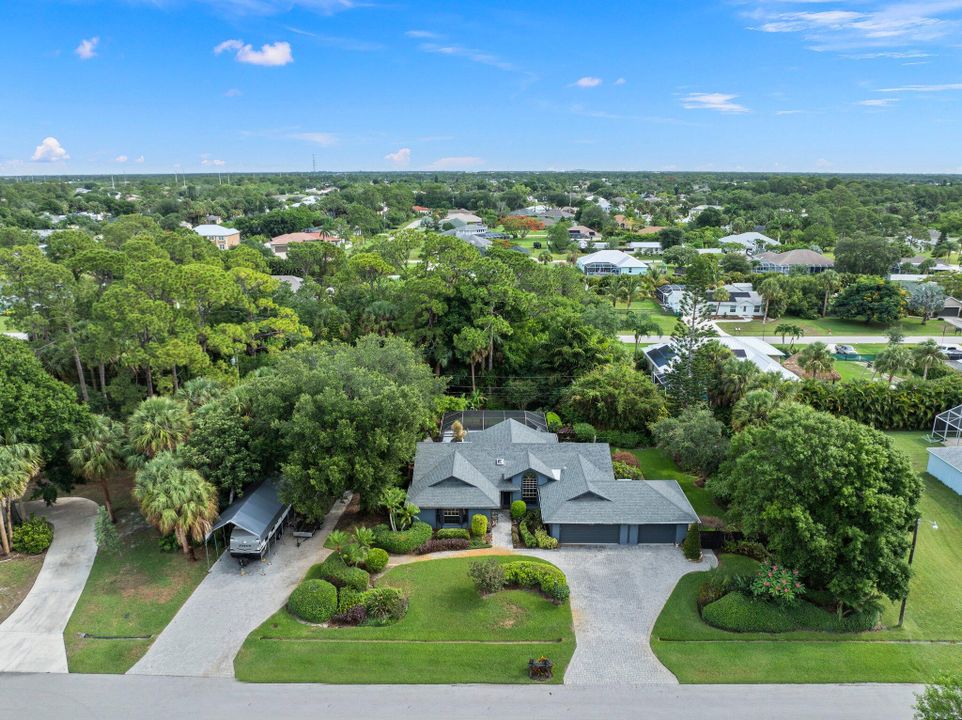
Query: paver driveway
(617,592)
(31,639)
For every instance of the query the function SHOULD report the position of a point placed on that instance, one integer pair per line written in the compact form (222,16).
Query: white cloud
(318,138)
(233,92)
(823,164)
(49,150)
(458,162)
(206,159)
(587,82)
(479,56)
(272,7)
(424,34)
(877,102)
(790,112)
(620,81)
(87,48)
(139,159)
(270,54)
(719,102)
(120,159)
(401,158)
(924,88)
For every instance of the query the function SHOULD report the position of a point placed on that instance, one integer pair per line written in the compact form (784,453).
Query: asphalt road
(120,697)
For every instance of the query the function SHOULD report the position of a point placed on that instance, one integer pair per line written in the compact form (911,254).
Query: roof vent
(499,461)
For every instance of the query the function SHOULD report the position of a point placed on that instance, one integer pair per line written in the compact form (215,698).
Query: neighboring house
(461,217)
(223,237)
(572,484)
(581,232)
(916,262)
(611,262)
(806,261)
(421,210)
(951,308)
(281,244)
(750,242)
(698,210)
(601,202)
(645,247)
(945,464)
(292,281)
(709,251)
(742,300)
(660,357)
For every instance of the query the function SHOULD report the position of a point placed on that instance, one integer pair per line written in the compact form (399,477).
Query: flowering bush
(778,583)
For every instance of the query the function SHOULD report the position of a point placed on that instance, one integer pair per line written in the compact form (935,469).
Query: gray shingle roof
(581,488)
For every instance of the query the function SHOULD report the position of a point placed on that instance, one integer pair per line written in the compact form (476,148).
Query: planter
(540,669)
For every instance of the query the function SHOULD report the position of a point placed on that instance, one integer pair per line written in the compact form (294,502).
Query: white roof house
(611,262)
(752,242)
(224,237)
(742,300)
(758,352)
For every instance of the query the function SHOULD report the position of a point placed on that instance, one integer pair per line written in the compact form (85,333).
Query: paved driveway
(208,631)
(31,639)
(617,592)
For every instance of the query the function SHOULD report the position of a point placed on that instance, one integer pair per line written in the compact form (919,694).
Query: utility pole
(915,538)
(314,162)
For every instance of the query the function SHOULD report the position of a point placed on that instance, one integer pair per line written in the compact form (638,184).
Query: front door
(505,499)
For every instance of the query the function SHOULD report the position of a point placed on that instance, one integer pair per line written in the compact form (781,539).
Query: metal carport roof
(256,512)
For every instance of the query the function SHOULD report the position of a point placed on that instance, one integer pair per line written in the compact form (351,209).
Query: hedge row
(339,574)
(443,545)
(403,542)
(740,613)
(547,578)
(452,533)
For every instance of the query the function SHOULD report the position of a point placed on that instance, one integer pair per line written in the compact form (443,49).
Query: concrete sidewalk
(208,631)
(827,339)
(31,639)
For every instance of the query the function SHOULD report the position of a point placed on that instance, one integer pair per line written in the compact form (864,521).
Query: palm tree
(98,453)
(158,424)
(176,500)
(770,289)
(642,324)
(755,407)
(734,381)
(545,257)
(893,360)
(927,355)
(829,281)
(199,391)
(629,287)
(19,464)
(792,329)
(816,358)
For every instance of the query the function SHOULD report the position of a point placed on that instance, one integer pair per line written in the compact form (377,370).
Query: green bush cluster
(488,576)
(739,613)
(625,471)
(547,578)
(584,432)
(385,604)
(691,546)
(338,573)
(313,600)
(33,536)
(553,421)
(348,598)
(404,541)
(376,560)
(518,509)
(748,548)
(452,534)
(537,538)
(479,525)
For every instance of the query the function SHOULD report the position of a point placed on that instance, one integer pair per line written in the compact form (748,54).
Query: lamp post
(915,537)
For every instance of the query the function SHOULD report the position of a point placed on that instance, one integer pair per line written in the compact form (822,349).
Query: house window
(452,517)
(529,487)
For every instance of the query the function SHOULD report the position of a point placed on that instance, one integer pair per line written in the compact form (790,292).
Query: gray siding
(429,515)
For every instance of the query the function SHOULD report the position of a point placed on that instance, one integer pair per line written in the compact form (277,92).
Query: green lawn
(657,465)
(929,642)
(449,635)
(851,370)
(17,574)
(835,326)
(666,321)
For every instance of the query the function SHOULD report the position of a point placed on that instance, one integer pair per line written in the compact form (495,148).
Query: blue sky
(254,85)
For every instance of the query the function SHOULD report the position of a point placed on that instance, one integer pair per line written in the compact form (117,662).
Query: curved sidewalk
(31,639)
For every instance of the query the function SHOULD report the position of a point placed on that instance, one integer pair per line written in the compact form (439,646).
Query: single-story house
(461,217)
(807,261)
(573,484)
(645,247)
(224,238)
(950,308)
(279,245)
(660,356)
(743,300)
(292,281)
(945,464)
(669,296)
(611,262)
(582,232)
(709,251)
(750,242)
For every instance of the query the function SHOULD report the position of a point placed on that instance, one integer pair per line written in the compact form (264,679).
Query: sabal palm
(159,424)
(176,500)
(19,464)
(755,407)
(199,391)
(98,453)
(927,355)
(816,358)
(736,378)
(893,360)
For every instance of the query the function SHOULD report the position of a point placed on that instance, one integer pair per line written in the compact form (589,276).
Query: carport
(260,515)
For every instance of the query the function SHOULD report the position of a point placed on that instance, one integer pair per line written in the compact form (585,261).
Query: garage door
(590,533)
(656,533)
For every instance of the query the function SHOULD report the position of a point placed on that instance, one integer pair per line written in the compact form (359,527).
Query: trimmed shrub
(625,471)
(554,422)
(313,600)
(432,546)
(739,613)
(348,598)
(383,604)
(623,456)
(748,548)
(584,432)
(547,578)
(376,560)
(488,576)
(691,545)
(337,572)
(518,509)
(404,541)
(33,536)
(623,439)
(479,525)
(544,541)
(451,533)
(354,616)
(715,589)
